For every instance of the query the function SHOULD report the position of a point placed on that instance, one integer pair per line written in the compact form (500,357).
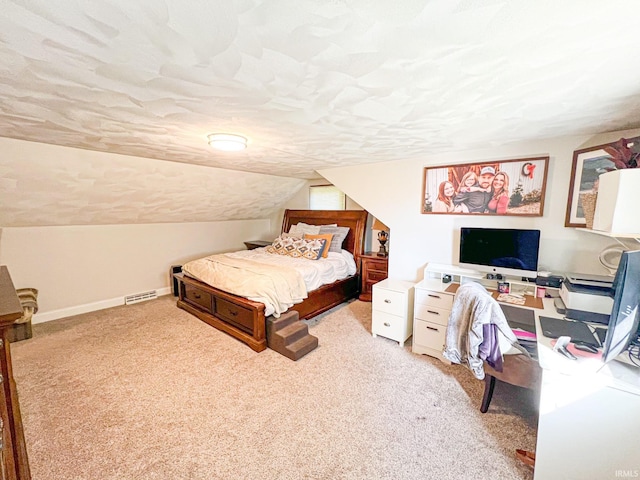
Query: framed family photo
(588,164)
(505,187)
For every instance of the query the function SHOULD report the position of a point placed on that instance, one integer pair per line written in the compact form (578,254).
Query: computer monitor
(624,323)
(505,251)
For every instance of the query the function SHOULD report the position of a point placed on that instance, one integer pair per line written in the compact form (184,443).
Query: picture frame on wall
(588,164)
(502,187)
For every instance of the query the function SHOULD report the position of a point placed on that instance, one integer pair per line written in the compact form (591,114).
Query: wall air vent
(140,297)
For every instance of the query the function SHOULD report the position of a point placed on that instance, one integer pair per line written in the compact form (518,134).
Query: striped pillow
(339,234)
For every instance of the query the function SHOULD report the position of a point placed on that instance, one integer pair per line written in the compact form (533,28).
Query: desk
(589,421)
(587,411)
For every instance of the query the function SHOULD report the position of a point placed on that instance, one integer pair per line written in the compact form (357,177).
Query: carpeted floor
(148,391)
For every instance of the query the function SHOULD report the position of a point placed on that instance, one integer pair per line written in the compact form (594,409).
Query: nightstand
(392,310)
(374,269)
(251,244)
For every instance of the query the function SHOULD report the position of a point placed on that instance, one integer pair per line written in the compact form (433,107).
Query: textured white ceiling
(314,83)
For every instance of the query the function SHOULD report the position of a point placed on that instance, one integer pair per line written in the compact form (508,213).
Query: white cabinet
(392,310)
(430,319)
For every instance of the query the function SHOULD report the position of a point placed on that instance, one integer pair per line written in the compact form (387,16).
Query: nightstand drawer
(434,299)
(376,275)
(429,335)
(432,314)
(389,301)
(388,325)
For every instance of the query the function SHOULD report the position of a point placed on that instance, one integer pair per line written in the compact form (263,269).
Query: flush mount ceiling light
(227,142)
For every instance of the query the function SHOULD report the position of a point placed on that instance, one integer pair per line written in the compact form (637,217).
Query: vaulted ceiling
(312,84)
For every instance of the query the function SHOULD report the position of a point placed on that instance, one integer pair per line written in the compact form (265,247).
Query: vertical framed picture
(588,165)
(504,187)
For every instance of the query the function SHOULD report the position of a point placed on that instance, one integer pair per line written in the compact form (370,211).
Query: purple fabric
(489,349)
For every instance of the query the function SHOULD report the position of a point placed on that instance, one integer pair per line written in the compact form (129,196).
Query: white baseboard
(87,307)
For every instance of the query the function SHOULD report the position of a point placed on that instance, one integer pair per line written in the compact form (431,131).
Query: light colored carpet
(148,391)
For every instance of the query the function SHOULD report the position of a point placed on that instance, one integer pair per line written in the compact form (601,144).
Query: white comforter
(277,298)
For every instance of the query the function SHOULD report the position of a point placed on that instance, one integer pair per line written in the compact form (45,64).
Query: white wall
(83,268)
(392,192)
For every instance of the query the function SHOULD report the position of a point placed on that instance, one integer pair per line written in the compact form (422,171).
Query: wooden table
(251,244)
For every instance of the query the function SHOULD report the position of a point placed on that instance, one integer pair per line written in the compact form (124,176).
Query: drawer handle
(386,300)
(232,313)
(433,296)
(431,328)
(196,295)
(387,324)
(433,313)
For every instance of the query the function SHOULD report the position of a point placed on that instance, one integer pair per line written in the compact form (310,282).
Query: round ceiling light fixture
(227,142)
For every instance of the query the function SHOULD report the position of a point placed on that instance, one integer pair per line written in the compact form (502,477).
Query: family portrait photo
(507,187)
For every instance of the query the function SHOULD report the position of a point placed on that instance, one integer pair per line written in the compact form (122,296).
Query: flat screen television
(505,251)
(624,323)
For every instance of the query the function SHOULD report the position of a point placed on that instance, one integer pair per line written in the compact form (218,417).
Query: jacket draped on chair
(475,324)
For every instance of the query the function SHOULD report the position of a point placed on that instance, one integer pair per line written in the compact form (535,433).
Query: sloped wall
(44,184)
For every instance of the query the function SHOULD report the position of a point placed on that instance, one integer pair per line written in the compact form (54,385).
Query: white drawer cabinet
(434,298)
(429,337)
(432,314)
(392,310)
(430,320)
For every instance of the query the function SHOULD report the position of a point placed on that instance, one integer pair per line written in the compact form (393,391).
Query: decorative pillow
(300,228)
(298,247)
(339,234)
(327,238)
(291,235)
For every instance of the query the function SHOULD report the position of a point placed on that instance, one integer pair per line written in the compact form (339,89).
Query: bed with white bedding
(235,292)
(277,281)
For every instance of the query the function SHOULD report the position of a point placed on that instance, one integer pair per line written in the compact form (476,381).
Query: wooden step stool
(289,336)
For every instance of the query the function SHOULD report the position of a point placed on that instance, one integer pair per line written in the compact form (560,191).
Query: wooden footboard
(244,319)
(237,316)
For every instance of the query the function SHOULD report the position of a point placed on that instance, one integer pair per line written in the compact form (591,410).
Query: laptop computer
(578,331)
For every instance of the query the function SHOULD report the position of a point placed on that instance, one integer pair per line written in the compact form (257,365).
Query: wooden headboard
(356,220)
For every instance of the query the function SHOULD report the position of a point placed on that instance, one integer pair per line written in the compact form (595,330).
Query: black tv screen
(500,250)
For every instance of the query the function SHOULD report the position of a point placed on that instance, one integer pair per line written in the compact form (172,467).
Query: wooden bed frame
(244,319)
